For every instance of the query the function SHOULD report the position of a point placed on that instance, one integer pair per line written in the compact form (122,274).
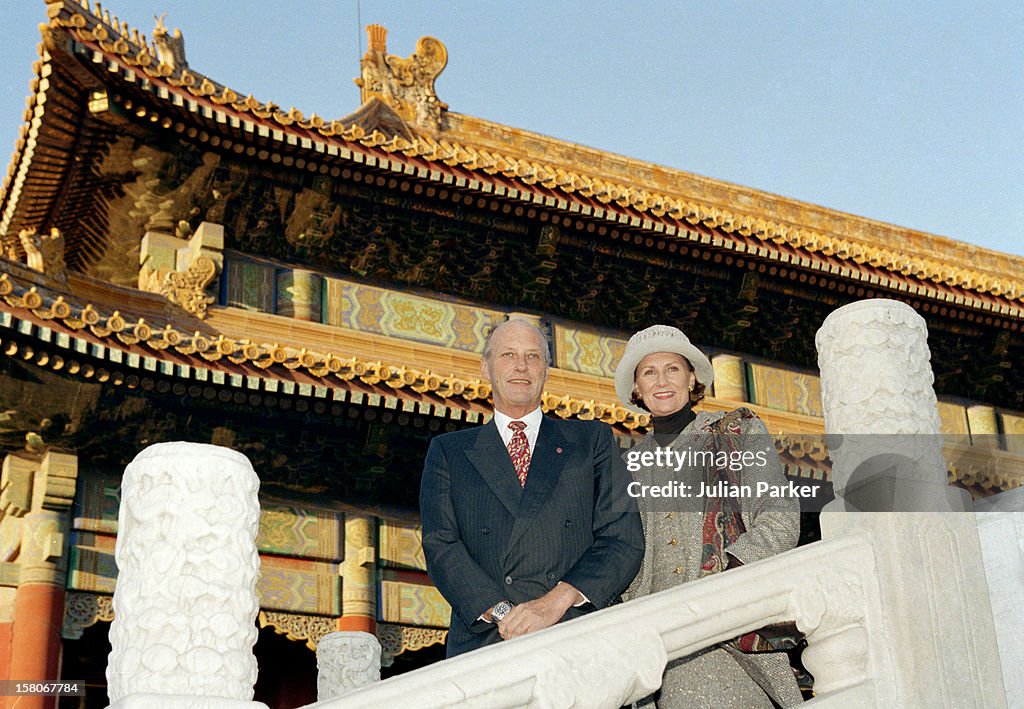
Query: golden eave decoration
(332,370)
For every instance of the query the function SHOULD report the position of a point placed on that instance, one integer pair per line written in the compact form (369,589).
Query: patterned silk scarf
(723,524)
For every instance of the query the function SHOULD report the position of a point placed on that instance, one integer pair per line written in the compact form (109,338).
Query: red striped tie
(519,451)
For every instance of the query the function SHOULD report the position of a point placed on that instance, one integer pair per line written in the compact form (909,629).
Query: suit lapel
(490,458)
(546,463)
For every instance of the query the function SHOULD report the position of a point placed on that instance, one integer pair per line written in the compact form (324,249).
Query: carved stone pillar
(358,570)
(346,661)
(185,602)
(299,295)
(876,375)
(880,410)
(730,378)
(882,429)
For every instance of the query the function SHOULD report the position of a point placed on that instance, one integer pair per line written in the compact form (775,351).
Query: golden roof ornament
(405,85)
(170,48)
(45,252)
(187,288)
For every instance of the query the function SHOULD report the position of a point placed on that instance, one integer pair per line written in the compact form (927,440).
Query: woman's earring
(691,387)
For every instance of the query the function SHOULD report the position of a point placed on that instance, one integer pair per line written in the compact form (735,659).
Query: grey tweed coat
(719,676)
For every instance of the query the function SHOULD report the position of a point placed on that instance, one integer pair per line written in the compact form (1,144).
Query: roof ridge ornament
(45,252)
(170,49)
(405,85)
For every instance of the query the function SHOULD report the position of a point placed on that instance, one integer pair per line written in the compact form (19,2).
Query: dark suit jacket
(486,539)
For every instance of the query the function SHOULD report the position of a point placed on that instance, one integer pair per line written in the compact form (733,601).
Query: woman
(661,372)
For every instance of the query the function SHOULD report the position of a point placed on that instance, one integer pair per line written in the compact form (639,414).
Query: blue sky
(910,113)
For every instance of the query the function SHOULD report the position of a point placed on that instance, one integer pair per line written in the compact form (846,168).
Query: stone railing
(617,656)
(889,623)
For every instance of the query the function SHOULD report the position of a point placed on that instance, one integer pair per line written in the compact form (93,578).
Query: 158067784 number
(42,688)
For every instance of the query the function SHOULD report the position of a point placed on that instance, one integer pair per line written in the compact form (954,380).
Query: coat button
(486,530)
(670,515)
(551,576)
(679,570)
(673,541)
(568,523)
(508,580)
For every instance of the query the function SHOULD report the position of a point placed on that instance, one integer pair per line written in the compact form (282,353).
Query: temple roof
(403,128)
(124,138)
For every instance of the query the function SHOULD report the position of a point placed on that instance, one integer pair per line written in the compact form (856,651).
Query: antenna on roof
(359,30)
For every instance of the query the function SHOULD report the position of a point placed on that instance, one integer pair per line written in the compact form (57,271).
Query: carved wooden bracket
(82,610)
(298,627)
(188,288)
(396,639)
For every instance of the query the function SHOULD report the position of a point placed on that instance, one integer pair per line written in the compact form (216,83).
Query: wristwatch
(500,610)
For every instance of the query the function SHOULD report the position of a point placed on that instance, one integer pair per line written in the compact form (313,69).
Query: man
(525,525)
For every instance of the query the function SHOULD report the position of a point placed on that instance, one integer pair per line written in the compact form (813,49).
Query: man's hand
(539,613)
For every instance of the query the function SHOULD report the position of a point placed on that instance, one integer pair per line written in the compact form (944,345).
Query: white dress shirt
(532,421)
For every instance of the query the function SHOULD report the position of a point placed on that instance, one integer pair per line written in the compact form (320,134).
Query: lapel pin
(558,450)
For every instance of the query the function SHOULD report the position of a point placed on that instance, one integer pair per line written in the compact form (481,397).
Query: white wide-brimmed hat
(657,338)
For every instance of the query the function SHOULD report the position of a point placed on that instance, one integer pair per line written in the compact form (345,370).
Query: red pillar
(358,622)
(35,643)
(35,639)
(6,629)
(359,590)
